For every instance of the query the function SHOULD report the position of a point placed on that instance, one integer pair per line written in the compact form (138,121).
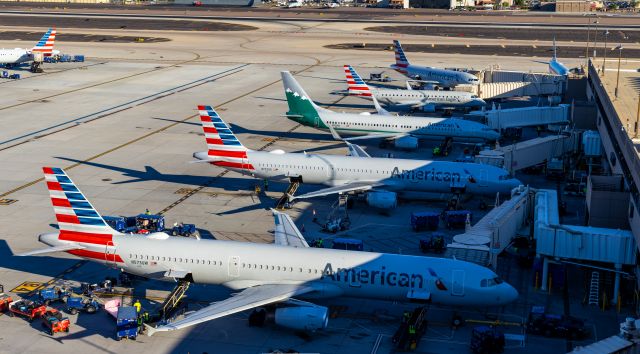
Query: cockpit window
(490,282)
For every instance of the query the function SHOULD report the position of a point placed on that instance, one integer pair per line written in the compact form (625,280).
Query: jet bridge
(582,244)
(484,241)
(534,151)
(498,118)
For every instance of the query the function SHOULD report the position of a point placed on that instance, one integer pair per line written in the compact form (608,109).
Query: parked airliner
(11,57)
(432,76)
(556,67)
(268,277)
(426,100)
(358,172)
(404,130)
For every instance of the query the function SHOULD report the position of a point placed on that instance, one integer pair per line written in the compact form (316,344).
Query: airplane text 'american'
(428,175)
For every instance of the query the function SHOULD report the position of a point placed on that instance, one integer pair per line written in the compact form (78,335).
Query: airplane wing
(249,298)
(69,247)
(349,187)
(381,111)
(286,233)
(376,136)
(356,150)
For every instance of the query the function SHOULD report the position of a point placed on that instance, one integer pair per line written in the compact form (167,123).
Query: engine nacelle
(303,318)
(406,143)
(429,108)
(382,199)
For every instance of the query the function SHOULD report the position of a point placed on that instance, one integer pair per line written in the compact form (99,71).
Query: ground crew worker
(266,185)
(436,150)
(405,317)
(320,242)
(538,129)
(137,305)
(315,218)
(412,330)
(257,189)
(147,212)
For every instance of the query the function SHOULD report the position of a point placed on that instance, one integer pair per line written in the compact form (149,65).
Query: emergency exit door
(457,282)
(234,266)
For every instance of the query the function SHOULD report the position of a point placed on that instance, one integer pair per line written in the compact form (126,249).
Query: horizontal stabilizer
(63,248)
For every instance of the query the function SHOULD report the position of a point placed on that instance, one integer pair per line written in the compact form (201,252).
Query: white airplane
(404,130)
(267,277)
(12,57)
(434,77)
(380,178)
(426,100)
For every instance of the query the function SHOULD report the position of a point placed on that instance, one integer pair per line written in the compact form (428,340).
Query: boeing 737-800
(10,57)
(269,277)
(426,100)
(404,130)
(433,76)
(356,173)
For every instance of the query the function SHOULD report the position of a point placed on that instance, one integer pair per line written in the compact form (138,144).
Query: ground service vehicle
(127,323)
(77,304)
(27,308)
(55,322)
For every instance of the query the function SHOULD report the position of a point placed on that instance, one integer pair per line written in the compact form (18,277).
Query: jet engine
(382,199)
(303,317)
(429,108)
(406,143)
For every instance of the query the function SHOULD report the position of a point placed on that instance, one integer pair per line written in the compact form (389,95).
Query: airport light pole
(604,61)
(586,52)
(619,48)
(595,41)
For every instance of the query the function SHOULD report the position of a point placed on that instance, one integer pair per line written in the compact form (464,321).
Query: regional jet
(556,67)
(11,57)
(404,130)
(359,172)
(433,77)
(268,277)
(426,100)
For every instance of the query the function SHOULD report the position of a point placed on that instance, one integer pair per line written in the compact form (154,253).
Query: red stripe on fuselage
(86,237)
(240,154)
(97,255)
(245,166)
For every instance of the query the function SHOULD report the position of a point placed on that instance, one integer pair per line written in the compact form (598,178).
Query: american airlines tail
(401,59)
(82,231)
(224,149)
(357,86)
(45,45)
(301,106)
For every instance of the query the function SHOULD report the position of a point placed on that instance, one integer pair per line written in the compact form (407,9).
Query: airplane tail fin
(301,108)
(77,219)
(401,59)
(223,146)
(45,45)
(357,86)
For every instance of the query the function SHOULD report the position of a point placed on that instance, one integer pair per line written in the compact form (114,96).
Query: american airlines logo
(426,175)
(373,277)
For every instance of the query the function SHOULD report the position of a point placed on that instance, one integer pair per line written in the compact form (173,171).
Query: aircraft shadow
(32,264)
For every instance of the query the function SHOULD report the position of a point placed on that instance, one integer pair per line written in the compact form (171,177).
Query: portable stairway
(284,200)
(408,335)
(172,301)
(594,289)
(338,218)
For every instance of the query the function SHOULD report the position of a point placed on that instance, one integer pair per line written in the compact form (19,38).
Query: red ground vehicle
(5,300)
(26,308)
(55,322)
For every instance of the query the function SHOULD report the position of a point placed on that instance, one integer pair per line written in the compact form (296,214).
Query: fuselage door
(110,254)
(234,266)
(457,282)
(484,177)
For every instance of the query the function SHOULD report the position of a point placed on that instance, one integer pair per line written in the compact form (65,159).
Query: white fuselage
(444,77)
(239,265)
(437,98)
(15,56)
(419,127)
(396,175)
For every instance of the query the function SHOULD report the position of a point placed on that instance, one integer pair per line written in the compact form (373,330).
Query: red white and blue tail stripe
(224,148)
(357,86)
(78,220)
(45,45)
(401,58)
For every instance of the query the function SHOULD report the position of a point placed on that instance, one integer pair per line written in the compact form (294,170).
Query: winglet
(379,109)
(150,330)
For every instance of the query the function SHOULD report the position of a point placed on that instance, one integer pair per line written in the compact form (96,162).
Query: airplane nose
(511,294)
